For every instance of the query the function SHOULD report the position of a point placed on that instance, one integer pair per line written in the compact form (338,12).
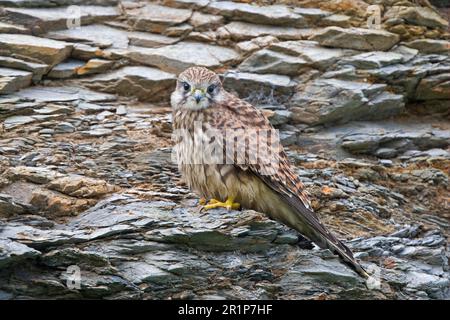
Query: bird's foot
(229,204)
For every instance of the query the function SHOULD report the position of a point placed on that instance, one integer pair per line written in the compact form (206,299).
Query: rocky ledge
(88,189)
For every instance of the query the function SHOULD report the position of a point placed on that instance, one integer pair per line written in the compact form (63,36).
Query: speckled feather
(289,196)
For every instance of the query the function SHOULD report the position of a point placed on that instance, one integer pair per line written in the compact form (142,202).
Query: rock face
(147,84)
(155,18)
(272,15)
(176,58)
(418,16)
(356,38)
(88,181)
(48,51)
(330,100)
(162,262)
(42,20)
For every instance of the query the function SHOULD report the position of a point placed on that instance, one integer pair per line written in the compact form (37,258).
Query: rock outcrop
(87,179)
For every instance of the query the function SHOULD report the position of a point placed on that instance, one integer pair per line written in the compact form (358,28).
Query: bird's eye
(211,88)
(186,86)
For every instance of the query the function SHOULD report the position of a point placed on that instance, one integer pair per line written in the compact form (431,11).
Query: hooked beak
(198,95)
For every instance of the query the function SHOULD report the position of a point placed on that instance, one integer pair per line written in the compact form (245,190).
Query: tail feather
(321,236)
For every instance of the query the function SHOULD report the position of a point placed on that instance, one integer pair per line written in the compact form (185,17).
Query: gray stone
(96,35)
(316,55)
(37,69)
(399,139)
(141,272)
(203,22)
(64,127)
(17,121)
(85,52)
(264,88)
(51,3)
(422,16)
(66,69)
(255,44)
(313,15)
(178,57)
(11,28)
(339,20)
(434,87)
(187,4)
(12,80)
(32,174)
(430,45)
(147,84)
(156,18)
(100,132)
(42,20)
(61,94)
(9,207)
(372,60)
(240,31)
(272,15)
(356,38)
(330,100)
(270,62)
(150,40)
(13,253)
(43,50)
(94,66)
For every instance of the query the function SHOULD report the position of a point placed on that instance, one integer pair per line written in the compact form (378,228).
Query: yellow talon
(202,201)
(229,204)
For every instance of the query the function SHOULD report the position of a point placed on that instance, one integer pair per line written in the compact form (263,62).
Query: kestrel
(227,151)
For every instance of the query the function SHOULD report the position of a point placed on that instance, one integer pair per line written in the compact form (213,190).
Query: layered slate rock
(37,69)
(204,22)
(178,57)
(430,45)
(150,40)
(331,100)
(37,49)
(356,38)
(316,56)
(268,61)
(12,80)
(272,15)
(66,69)
(156,18)
(374,59)
(96,35)
(95,66)
(422,16)
(11,28)
(240,31)
(62,94)
(434,87)
(52,3)
(397,138)
(42,20)
(260,88)
(147,84)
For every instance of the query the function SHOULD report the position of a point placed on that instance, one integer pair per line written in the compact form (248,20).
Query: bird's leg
(229,204)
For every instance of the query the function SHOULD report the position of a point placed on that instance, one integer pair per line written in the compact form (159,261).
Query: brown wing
(272,164)
(273,168)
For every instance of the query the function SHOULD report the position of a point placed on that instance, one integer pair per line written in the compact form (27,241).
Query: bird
(227,151)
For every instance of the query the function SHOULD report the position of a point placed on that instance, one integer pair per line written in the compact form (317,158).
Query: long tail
(310,226)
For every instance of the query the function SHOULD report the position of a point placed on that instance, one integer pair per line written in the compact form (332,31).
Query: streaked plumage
(264,182)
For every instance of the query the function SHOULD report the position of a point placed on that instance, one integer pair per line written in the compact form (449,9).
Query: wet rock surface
(87,179)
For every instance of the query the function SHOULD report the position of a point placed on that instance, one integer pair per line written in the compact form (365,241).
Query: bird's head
(197,88)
